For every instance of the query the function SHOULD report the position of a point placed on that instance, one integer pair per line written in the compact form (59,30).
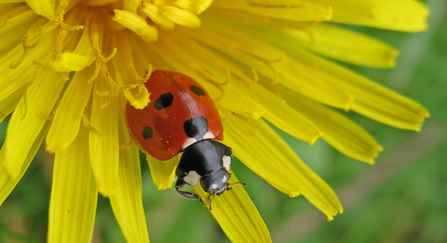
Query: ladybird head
(207,161)
(216,182)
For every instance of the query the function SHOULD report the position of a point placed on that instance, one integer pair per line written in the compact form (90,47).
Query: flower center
(147,17)
(97,36)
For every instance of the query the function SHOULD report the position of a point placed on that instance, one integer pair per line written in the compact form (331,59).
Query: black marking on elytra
(197,90)
(164,101)
(196,127)
(147,133)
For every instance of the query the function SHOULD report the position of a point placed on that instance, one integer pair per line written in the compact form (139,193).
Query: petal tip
(294,194)
(315,138)
(165,186)
(106,192)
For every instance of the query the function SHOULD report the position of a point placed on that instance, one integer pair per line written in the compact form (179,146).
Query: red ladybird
(183,118)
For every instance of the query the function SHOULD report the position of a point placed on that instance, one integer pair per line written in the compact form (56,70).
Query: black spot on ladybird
(147,133)
(197,90)
(196,127)
(164,101)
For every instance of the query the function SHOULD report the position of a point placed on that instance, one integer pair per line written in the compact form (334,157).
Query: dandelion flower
(69,67)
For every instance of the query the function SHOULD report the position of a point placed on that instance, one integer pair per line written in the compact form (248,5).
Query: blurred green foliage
(402,198)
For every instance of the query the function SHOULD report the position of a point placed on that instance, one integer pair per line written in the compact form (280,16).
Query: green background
(403,198)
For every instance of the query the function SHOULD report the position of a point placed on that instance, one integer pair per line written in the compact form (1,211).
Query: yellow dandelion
(68,68)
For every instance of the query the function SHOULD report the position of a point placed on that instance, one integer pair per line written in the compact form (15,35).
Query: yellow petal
(43,7)
(238,103)
(138,97)
(104,144)
(15,28)
(68,115)
(29,119)
(127,203)
(137,24)
(201,5)
(332,41)
(386,14)
(126,75)
(352,47)
(285,118)
(17,72)
(103,2)
(270,62)
(181,16)
(73,194)
(155,14)
(296,11)
(9,103)
(265,153)
(370,99)
(339,131)
(131,5)
(301,78)
(355,8)
(85,43)
(237,215)
(81,57)
(11,10)
(234,43)
(71,62)
(162,172)
(7,183)
(195,6)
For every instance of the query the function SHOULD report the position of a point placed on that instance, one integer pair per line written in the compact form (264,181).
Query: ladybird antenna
(228,186)
(239,182)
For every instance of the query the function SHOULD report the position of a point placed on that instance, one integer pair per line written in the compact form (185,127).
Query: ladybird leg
(210,200)
(179,184)
(202,202)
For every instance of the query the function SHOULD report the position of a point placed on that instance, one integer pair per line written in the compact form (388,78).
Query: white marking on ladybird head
(214,185)
(188,142)
(226,160)
(224,179)
(209,135)
(192,178)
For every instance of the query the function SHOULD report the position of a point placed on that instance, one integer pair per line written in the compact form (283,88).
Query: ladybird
(183,118)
